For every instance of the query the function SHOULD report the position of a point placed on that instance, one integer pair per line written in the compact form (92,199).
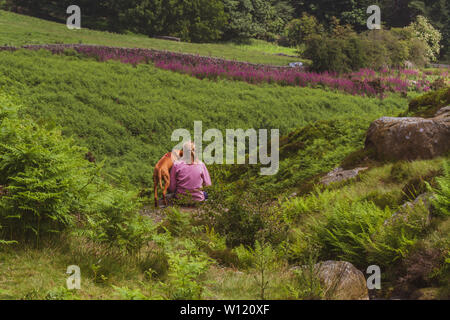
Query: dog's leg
(166,186)
(155,187)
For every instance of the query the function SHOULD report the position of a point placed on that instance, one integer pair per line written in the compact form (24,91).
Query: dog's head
(178,154)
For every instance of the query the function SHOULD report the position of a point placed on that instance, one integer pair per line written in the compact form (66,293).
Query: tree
(263,19)
(299,30)
(424,31)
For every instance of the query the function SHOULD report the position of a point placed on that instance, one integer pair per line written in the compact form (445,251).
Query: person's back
(189,178)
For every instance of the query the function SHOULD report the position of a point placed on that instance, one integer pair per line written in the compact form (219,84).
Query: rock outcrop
(340,174)
(410,138)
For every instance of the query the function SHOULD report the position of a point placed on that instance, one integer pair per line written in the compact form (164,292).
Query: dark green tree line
(213,20)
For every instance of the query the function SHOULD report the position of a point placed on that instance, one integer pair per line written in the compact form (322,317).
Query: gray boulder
(410,138)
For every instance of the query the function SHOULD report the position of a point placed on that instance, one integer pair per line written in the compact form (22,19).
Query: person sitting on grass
(189,176)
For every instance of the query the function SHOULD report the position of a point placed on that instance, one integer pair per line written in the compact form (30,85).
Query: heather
(364,82)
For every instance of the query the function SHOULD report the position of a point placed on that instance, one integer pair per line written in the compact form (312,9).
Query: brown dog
(162,171)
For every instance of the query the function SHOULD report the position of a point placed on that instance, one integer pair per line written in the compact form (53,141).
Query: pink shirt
(189,177)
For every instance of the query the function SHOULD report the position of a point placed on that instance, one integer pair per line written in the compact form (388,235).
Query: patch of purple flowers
(365,82)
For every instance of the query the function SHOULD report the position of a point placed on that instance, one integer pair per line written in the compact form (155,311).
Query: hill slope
(128,114)
(18,30)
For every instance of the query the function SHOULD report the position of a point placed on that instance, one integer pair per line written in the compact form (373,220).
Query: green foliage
(18,30)
(245,256)
(343,50)
(256,19)
(61,293)
(305,154)
(441,200)
(382,199)
(264,260)
(130,294)
(394,13)
(400,172)
(126,115)
(300,30)
(429,35)
(294,210)
(50,187)
(428,104)
(347,230)
(340,55)
(185,275)
(114,220)
(197,20)
(44,176)
(243,219)
(363,234)
(307,284)
(398,236)
(177,222)
(155,263)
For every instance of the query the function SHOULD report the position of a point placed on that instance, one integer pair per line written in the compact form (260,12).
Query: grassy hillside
(128,114)
(18,30)
(58,209)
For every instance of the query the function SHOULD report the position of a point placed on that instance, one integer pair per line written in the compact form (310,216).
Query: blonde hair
(189,149)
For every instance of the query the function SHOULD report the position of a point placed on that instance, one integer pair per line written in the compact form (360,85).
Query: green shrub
(61,293)
(114,220)
(245,256)
(155,262)
(400,172)
(441,200)
(382,200)
(347,230)
(185,272)
(245,218)
(397,236)
(299,30)
(344,50)
(314,203)
(43,175)
(428,104)
(364,234)
(49,187)
(341,55)
(430,36)
(307,284)
(215,246)
(130,294)
(177,222)
(264,261)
